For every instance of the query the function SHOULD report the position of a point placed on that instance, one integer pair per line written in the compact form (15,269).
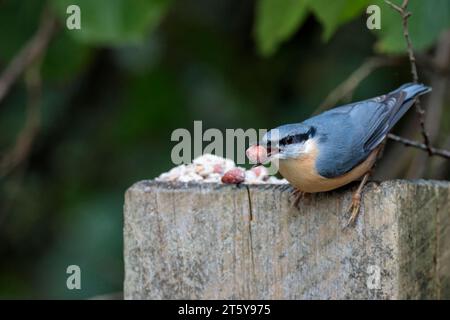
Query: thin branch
(21,149)
(28,60)
(436,102)
(370,65)
(28,54)
(405,14)
(347,87)
(353,81)
(412,143)
(394,6)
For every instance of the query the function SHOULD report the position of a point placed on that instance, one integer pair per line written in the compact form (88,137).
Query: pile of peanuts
(211,168)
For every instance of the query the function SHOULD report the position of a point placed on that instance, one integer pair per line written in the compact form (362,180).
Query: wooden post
(213,241)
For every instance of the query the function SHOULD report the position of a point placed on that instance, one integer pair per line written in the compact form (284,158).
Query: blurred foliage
(332,14)
(428,20)
(113,92)
(18,21)
(276,21)
(112,22)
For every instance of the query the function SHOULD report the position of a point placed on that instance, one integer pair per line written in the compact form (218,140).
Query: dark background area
(105,105)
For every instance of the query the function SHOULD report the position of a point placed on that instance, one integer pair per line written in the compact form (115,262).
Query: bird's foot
(354,208)
(297,196)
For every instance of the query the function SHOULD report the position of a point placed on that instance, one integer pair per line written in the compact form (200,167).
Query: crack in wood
(250,210)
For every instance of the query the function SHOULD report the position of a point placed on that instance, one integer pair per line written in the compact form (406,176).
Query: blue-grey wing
(348,134)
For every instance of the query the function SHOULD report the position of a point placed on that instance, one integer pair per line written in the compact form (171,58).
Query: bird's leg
(298,196)
(356,200)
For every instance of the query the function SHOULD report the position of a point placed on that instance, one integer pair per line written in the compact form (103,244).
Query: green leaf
(429,18)
(113,22)
(333,14)
(276,21)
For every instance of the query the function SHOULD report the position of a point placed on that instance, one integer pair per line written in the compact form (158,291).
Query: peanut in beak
(257,154)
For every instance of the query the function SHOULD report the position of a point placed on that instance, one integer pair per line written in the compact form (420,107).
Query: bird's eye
(287,140)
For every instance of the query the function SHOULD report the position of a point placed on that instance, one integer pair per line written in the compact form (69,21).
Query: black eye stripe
(294,139)
(297,138)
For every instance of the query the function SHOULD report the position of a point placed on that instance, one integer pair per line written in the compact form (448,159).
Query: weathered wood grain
(211,241)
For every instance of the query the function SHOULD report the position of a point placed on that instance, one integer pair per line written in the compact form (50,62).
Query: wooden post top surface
(216,241)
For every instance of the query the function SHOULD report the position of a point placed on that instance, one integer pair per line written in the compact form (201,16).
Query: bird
(338,146)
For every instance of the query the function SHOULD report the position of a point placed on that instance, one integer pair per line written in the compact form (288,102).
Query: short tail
(413,90)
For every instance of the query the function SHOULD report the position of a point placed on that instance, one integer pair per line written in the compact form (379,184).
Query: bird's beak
(271,151)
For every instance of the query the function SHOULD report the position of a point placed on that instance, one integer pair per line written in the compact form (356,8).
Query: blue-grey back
(347,135)
(339,137)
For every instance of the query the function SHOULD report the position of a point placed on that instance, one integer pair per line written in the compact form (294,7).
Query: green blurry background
(106,98)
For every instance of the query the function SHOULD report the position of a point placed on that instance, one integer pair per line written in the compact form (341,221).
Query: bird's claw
(298,196)
(355,207)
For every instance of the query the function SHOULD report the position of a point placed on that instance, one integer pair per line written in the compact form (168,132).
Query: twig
(347,87)
(352,82)
(21,149)
(28,54)
(412,143)
(28,60)
(405,14)
(420,166)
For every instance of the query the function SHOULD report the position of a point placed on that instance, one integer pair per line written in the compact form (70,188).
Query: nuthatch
(338,146)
